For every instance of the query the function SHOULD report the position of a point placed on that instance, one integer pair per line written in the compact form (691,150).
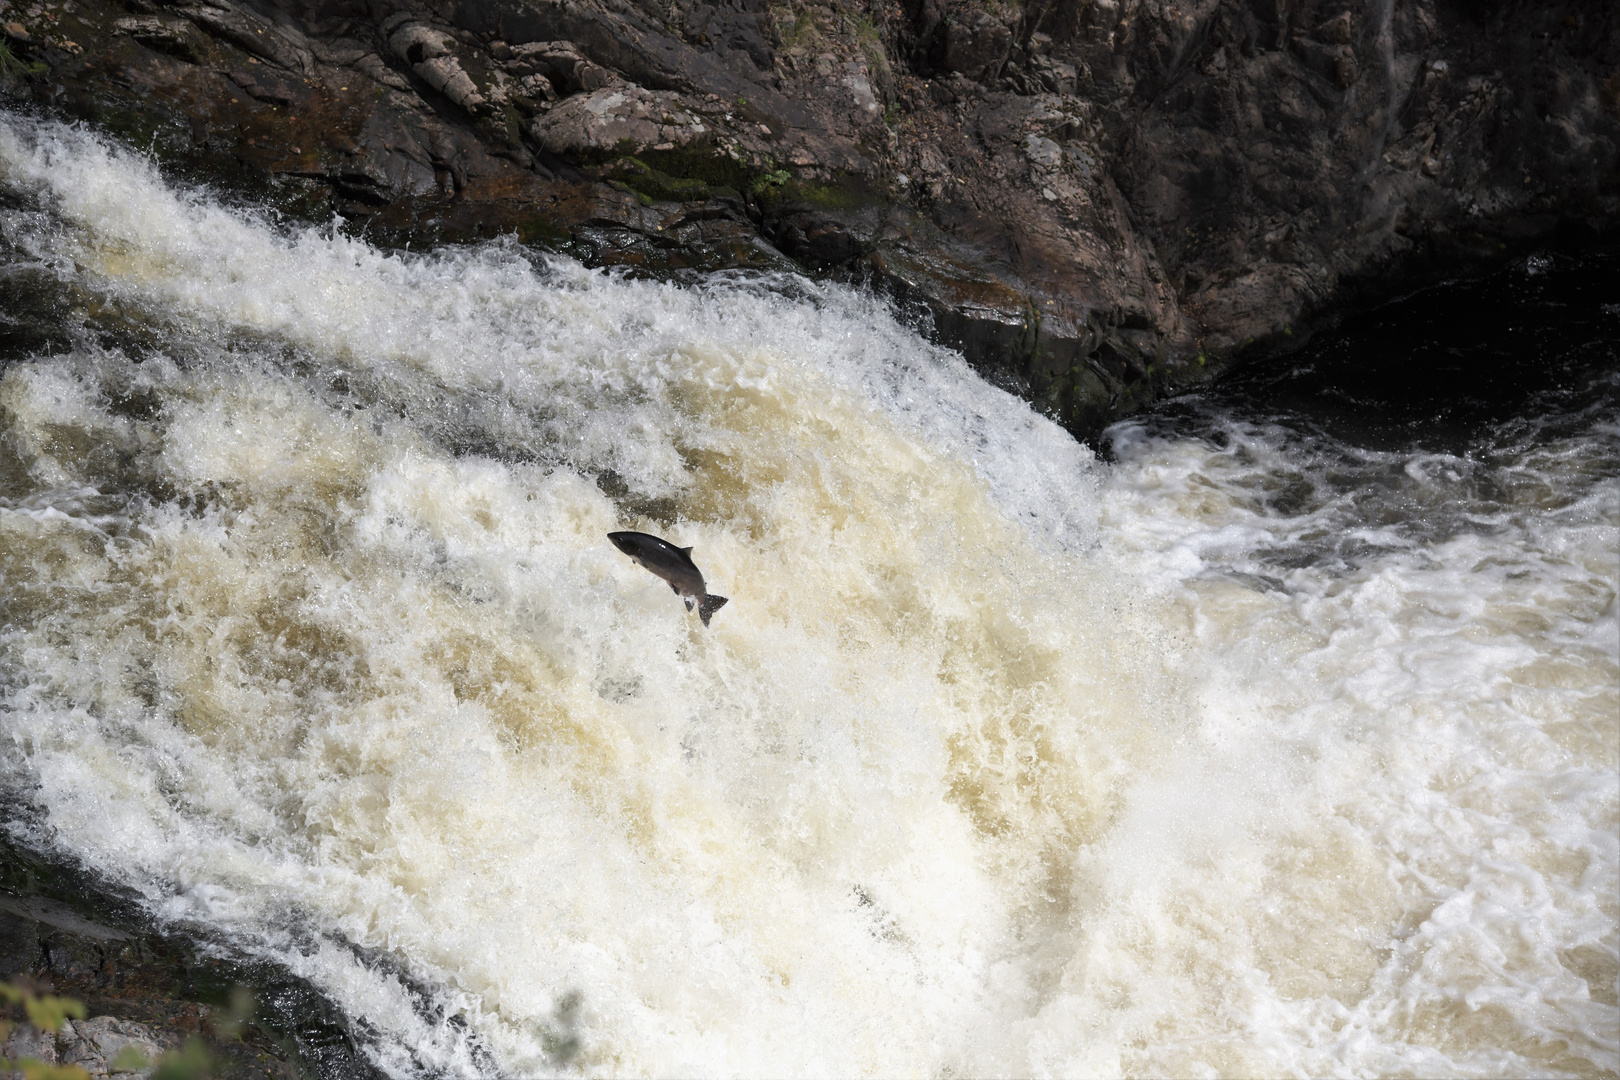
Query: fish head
(624,541)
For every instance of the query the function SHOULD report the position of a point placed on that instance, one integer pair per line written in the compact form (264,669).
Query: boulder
(622,119)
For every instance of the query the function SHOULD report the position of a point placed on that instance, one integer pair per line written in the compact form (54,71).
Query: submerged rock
(1099,203)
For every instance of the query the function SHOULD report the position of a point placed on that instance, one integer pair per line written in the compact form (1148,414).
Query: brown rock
(1099,203)
(1337,30)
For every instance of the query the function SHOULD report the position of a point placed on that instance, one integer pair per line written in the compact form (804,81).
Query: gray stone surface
(1099,201)
(28,1042)
(106,1046)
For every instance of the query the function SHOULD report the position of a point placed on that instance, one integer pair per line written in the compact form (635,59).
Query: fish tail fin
(709,605)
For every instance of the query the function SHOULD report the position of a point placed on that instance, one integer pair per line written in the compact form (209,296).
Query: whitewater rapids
(1001,761)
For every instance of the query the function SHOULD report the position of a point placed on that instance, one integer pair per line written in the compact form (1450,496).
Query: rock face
(1099,201)
(105,1046)
(149,992)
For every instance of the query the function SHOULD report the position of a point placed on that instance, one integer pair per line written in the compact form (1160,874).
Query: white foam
(989,767)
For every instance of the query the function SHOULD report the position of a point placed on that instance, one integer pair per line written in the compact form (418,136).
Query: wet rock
(269,85)
(1100,203)
(147,991)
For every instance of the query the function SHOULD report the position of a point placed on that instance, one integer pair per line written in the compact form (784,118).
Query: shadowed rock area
(1099,202)
(64,931)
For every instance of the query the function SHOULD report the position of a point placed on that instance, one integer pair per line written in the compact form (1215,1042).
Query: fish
(674,565)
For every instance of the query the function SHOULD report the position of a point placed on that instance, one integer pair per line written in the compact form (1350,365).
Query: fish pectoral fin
(688,600)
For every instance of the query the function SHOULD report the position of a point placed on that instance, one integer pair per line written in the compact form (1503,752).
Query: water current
(1281,742)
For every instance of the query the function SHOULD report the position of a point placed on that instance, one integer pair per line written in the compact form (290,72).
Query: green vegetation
(47,1012)
(190,1062)
(798,30)
(698,172)
(770,181)
(869,37)
(560,1040)
(11,66)
(677,176)
(824,196)
(694,175)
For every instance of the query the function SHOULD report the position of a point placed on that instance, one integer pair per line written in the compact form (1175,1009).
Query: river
(1281,742)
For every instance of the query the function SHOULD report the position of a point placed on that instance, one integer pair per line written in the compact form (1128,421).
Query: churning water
(1258,750)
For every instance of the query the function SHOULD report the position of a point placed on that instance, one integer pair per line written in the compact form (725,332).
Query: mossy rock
(655,184)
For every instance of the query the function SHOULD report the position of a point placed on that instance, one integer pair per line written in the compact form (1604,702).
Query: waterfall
(1000,761)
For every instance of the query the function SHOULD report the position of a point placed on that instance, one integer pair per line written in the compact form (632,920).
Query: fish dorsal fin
(685,551)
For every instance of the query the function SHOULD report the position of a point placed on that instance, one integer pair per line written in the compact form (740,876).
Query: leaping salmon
(674,565)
